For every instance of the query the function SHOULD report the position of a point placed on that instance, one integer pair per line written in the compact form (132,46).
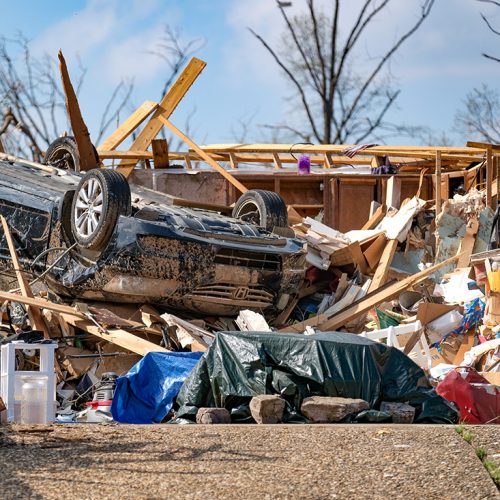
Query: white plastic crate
(11,380)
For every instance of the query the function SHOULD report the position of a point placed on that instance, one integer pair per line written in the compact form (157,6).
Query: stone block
(267,408)
(320,409)
(213,416)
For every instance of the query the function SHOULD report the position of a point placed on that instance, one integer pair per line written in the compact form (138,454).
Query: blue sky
(435,69)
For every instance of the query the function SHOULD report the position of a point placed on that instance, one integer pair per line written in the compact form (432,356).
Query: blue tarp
(145,394)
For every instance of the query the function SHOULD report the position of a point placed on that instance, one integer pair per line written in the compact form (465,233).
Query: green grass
(468,436)
(481,453)
(493,470)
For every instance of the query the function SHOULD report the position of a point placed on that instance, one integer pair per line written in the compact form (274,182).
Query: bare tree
(490,26)
(33,104)
(33,101)
(339,102)
(480,119)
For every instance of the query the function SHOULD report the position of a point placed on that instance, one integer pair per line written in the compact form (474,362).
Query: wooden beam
(205,156)
(36,319)
(489,177)
(437,184)
(233,161)
(115,335)
(165,109)
(328,324)
(128,126)
(467,244)
(160,153)
(328,161)
(378,215)
(483,145)
(86,153)
(277,161)
(2,149)
(40,303)
(393,192)
(384,265)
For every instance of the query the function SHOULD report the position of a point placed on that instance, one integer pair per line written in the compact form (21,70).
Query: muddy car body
(179,257)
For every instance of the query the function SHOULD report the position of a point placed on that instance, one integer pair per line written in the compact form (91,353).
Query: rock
(401,413)
(213,416)
(327,409)
(267,408)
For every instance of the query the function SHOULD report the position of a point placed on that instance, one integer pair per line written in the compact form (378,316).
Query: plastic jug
(34,400)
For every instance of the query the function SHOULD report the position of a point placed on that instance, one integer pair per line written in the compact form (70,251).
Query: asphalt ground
(243,461)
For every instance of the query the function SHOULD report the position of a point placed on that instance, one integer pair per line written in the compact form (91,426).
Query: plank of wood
(40,303)
(378,215)
(483,145)
(128,126)
(489,178)
(115,335)
(160,153)
(277,161)
(437,184)
(86,153)
(207,158)
(384,264)
(393,192)
(233,161)
(374,250)
(325,323)
(467,244)
(34,313)
(165,109)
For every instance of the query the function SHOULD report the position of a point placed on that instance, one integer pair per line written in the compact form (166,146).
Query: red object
(96,404)
(477,399)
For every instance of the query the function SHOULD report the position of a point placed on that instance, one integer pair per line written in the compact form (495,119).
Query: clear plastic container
(34,400)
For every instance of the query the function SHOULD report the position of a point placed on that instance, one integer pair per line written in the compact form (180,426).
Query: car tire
(63,153)
(100,198)
(262,208)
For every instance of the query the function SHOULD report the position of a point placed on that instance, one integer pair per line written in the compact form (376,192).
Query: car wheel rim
(249,212)
(88,208)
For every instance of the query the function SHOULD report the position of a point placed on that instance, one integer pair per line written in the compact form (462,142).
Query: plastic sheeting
(145,394)
(240,365)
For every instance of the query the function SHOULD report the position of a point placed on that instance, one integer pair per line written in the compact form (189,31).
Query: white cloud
(79,34)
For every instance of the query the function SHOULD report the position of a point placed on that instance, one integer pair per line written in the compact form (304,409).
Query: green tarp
(240,365)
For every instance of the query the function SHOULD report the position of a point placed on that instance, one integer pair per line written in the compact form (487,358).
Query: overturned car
(90,237)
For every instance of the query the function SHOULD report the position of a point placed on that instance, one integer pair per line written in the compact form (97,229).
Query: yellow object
(494,281)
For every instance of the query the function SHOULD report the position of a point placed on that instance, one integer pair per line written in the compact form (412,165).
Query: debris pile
(165,309)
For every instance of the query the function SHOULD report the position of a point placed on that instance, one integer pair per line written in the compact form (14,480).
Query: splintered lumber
(467,244)
(115,335)
(489,178)
(128,126)
(438,183)
(41,304)
(189,335)
(377,216)
(165,109)
(325,323)
(160,153)
(34,313)
(86,153)
(384,265)
(207,158)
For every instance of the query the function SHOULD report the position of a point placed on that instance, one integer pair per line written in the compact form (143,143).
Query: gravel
(241,461)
